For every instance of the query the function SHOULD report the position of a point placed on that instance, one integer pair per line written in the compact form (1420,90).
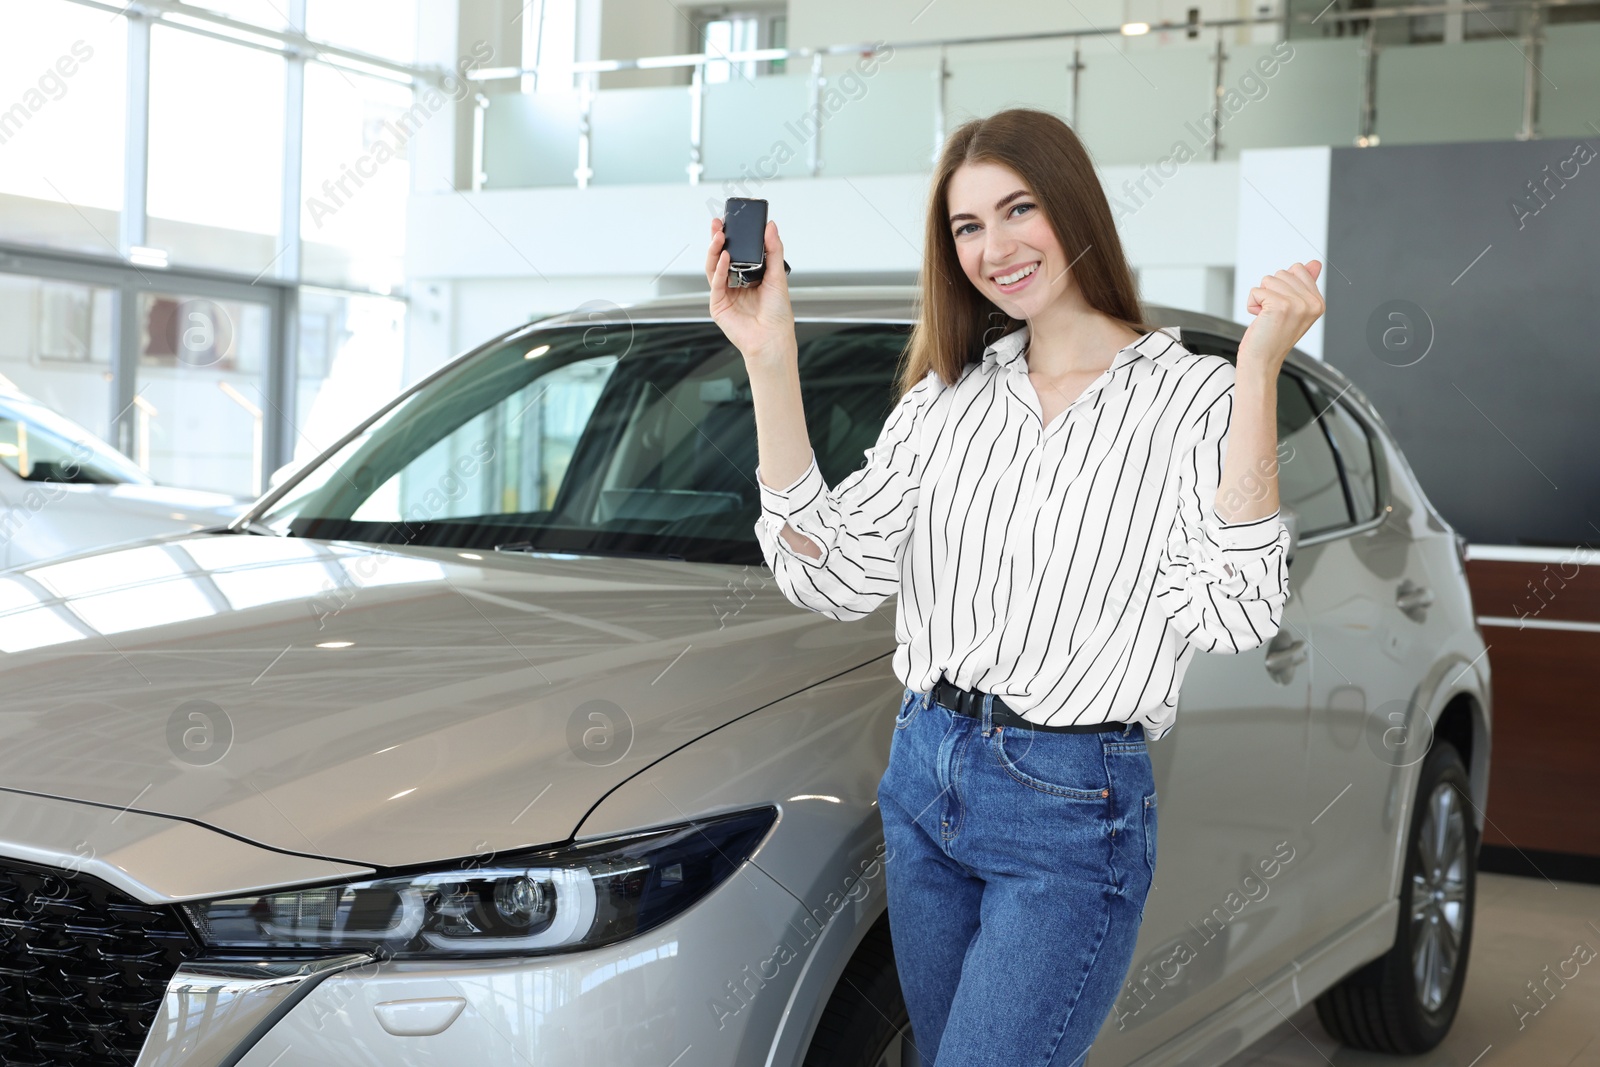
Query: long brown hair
(957,322)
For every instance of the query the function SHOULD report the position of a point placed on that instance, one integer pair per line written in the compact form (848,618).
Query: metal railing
(1365,21)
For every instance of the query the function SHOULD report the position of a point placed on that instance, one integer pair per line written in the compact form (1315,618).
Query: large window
(216,151)
(386,28)
(356,175)
(346,367)
(55,346)
(744,30)
(63,105)
(200,409)
(549,35)
(273,14)
(191,380)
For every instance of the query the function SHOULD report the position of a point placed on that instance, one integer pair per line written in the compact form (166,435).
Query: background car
(63,490)
(486,739)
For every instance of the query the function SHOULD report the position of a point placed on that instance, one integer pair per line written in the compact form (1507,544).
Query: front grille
(83,968)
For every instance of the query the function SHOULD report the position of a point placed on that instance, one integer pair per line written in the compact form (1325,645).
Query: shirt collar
(1008,352)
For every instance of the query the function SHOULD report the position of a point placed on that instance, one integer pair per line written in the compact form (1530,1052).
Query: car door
(1227,905)
(1368,591)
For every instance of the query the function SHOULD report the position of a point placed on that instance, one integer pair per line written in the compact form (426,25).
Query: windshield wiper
(529,548)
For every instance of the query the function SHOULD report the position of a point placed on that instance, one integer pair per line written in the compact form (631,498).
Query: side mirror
(1291,522)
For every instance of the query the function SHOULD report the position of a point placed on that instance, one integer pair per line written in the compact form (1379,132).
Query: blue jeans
(1017,867)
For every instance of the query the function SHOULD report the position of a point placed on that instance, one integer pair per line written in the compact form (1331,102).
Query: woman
(1068,503)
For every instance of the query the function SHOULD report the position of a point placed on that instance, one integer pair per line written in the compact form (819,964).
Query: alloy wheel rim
(1438,897)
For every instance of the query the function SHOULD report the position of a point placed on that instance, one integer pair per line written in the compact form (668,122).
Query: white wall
(1283,218)
(494,259)
(864,225)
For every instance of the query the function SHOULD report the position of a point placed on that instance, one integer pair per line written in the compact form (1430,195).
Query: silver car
(487,739)
(63,490)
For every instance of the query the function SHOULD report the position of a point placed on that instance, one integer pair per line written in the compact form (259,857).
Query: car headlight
(554,900)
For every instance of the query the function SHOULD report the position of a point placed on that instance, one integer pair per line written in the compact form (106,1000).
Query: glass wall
(216,151)
(355,176)
(63,101)
(190,403)
(56,346)
(269,13)
(160,331)
(549,35)
(1133,100)
(200,401)
(384,28)
(1470,91)
(346,368)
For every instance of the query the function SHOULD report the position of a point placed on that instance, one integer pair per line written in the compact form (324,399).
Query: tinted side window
(1308,476)
(1355,452)
(1311,449)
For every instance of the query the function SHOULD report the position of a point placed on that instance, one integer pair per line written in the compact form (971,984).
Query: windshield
(632,439)
(41,446)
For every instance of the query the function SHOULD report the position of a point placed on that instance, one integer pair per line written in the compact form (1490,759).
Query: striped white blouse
(1071,569)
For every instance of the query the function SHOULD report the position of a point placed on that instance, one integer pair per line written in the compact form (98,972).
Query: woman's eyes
(1014,207)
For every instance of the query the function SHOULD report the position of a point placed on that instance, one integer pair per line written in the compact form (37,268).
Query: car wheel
(865,1023)
(1404,1001)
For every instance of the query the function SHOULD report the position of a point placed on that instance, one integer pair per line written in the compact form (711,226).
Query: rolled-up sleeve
(861,524)
(1221,584)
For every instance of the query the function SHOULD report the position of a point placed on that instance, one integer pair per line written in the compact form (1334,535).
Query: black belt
(969,702)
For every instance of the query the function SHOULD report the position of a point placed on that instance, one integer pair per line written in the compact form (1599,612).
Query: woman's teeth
(1011,279)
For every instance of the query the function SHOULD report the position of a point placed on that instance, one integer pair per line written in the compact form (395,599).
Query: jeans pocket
(1150,832)
(911,702)
(1063,765)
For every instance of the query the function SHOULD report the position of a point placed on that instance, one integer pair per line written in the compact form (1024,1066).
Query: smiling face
(1001,236)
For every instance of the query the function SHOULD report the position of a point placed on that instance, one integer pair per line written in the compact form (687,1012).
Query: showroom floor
(1523,925)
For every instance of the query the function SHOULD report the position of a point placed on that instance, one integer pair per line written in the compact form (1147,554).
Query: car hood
(383,705)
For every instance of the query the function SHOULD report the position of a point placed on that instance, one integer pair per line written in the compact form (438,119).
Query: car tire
(1403,1002)
(865,1023)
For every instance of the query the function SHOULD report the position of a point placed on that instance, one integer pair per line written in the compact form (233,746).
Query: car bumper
(718,980)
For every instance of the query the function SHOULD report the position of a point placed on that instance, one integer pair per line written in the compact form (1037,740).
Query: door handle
(1413,600)
(1283,658)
